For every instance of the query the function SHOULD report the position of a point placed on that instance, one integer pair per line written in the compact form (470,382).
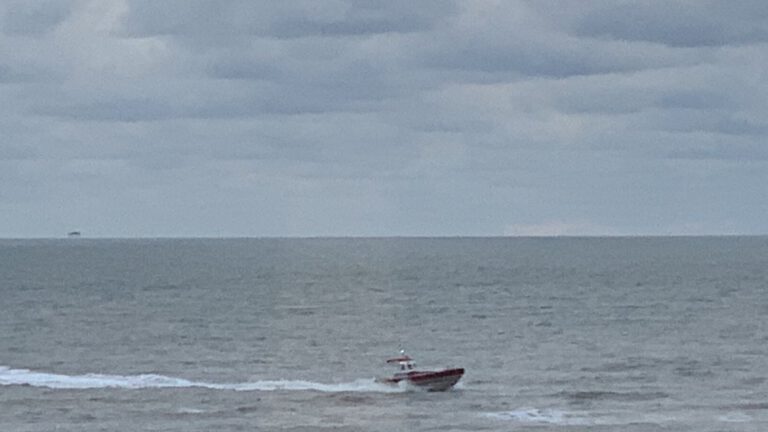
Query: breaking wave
(9,376)
(539,416)
(536,416)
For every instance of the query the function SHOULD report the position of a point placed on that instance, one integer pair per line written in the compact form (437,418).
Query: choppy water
(629,334)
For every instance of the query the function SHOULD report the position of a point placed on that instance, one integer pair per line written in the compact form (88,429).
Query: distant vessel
(440,380)
(73,234)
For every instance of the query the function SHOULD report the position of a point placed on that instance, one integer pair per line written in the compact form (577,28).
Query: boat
(430,380)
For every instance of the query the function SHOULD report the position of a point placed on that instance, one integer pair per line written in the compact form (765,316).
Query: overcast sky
(376,118)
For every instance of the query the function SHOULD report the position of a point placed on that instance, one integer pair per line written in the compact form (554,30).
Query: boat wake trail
(9,377)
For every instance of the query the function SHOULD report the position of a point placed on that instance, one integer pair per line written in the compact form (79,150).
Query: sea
(555,334)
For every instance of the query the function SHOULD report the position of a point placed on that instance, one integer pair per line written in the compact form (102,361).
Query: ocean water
(559,334)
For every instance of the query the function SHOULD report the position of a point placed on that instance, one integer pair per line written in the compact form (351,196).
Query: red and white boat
(439,380)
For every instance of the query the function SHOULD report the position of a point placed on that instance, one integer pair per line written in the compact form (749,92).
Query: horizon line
(319,237)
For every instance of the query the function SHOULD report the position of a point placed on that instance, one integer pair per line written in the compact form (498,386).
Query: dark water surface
(615,334)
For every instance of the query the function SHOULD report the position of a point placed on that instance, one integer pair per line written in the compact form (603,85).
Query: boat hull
(429,380)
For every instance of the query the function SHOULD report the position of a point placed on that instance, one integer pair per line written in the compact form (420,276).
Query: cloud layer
(240,118)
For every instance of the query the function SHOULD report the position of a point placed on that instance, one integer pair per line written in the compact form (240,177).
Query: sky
(187,118)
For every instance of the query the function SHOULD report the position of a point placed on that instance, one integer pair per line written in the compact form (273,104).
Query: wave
(539,416)
(9,376)
(536,416)
(582,396)
(735,417)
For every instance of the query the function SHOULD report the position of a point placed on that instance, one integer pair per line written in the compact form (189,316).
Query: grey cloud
(268,101)
(28,75)
(526,59)
(505,43)
(9,152)
(708,121)
(678,23)
(355,87)
(747,152)
(245,68)
(33,17)
(208,18)
(634,94)
(366,18)
(9,75)
(113,109)
(695,99)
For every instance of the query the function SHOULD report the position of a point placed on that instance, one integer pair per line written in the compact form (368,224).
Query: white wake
(9,376)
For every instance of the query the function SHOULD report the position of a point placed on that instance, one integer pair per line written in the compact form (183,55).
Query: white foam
(539,416)
(185,410)
(535,416)
(735,417)
(10,376)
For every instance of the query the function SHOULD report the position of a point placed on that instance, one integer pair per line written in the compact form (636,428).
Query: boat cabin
(404,362)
